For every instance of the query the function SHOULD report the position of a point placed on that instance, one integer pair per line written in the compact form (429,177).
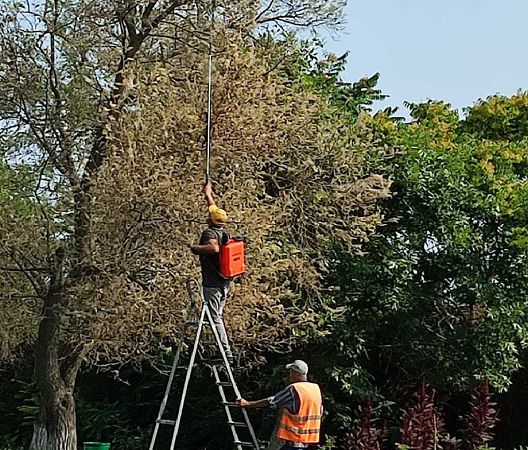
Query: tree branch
(23,269)
(264,11)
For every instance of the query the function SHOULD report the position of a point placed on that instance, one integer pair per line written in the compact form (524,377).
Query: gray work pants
(216,297)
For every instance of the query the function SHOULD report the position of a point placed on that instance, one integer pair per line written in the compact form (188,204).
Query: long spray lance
(209,110)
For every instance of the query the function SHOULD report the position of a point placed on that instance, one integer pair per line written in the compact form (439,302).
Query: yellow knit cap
(218,215)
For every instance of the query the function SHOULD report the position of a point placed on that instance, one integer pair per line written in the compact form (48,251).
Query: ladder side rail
(187,378)
(226,406)
(222,351)
(250,428)
(183,335)
(230,373)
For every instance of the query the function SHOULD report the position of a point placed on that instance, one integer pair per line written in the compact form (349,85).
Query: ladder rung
(238,424)
(196,322)
(229,404)
(224,383)
(244,444)
(166,422)
(215,361)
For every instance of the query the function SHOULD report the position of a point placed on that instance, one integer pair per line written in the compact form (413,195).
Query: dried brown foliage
(287,166)
(289,178)
(104,101)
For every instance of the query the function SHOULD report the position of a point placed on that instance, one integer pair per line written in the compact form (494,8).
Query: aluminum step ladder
(199,317)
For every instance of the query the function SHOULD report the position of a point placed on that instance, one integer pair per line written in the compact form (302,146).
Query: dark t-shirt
(211,276)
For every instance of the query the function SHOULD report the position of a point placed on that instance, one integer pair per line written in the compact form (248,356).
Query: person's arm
(263,403)
(211,245)
(208,193)
(283,399)
(210,248)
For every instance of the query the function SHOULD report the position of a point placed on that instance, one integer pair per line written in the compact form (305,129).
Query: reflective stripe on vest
(297,418)
(304,426)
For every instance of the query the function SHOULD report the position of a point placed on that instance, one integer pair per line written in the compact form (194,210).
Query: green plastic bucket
(96,446)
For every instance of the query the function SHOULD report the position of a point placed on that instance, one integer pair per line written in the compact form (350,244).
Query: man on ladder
(215,285)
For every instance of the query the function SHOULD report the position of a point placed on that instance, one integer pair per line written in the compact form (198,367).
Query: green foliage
(498,118)
(18,214)
(434,115)
(441,290)
(353,98)
(402,447)
(301,62)
(112,422)
(18,406)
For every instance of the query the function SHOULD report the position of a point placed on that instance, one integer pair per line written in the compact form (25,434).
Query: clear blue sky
(452,50)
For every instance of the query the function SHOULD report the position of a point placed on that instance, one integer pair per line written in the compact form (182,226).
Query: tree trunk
(55,373)
(55,428)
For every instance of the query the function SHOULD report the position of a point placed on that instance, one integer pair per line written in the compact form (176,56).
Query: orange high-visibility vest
(304,426)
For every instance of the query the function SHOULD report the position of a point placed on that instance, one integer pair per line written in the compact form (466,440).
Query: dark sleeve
(287,398)
(208,235)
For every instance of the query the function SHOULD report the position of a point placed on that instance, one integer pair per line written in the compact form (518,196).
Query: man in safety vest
(301,409)
(215,286)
